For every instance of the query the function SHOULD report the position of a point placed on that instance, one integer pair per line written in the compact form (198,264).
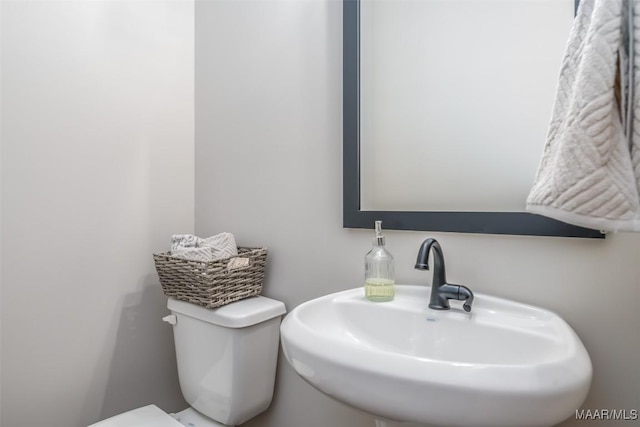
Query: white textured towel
(586,176)
(194,254)
(183,241)
(223,245)
(187,246)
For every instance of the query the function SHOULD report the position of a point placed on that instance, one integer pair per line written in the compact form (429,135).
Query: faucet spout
(441,291)
(422,262)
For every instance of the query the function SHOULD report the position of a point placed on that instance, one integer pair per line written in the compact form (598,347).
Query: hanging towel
(586,176)
(635,140)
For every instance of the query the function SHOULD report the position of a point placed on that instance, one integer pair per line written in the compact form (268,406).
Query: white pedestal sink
(504,364)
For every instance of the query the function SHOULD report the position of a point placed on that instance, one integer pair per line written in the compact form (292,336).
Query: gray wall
(268,169)
(97,173)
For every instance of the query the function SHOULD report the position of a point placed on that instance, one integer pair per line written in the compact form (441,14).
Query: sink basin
(502,364)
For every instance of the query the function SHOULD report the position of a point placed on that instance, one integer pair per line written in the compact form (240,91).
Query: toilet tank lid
(239,314)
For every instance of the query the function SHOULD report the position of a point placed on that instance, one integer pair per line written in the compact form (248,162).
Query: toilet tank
(227,356)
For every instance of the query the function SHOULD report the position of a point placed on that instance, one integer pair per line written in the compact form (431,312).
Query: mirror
(444,117)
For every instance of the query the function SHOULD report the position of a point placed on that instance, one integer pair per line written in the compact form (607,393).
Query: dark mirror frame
(516,223)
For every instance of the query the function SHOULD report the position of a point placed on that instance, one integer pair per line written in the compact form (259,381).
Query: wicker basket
(215,283)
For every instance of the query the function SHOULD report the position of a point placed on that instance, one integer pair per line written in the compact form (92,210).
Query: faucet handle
(455,292)
(465,294)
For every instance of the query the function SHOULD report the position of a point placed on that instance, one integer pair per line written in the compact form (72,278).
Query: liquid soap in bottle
(379,279)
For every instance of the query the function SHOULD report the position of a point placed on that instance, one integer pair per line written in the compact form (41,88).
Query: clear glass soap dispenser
(379,279)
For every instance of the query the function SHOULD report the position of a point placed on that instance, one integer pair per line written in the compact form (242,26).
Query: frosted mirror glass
(455,100)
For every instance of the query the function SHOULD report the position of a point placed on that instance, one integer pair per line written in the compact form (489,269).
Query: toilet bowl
(145,416)
(226,360)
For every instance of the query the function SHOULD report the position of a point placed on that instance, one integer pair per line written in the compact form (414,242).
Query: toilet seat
(147,416)
(192,418)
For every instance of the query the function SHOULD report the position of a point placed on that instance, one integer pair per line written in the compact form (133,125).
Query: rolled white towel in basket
(194,254)
(189,247)
(182,241)
(223,245)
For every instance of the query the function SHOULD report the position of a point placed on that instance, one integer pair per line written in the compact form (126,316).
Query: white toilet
(226,361)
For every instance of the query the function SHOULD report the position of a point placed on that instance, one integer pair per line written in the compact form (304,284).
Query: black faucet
(441,291)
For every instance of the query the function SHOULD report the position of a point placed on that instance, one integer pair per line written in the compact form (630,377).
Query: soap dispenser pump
(379,277)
